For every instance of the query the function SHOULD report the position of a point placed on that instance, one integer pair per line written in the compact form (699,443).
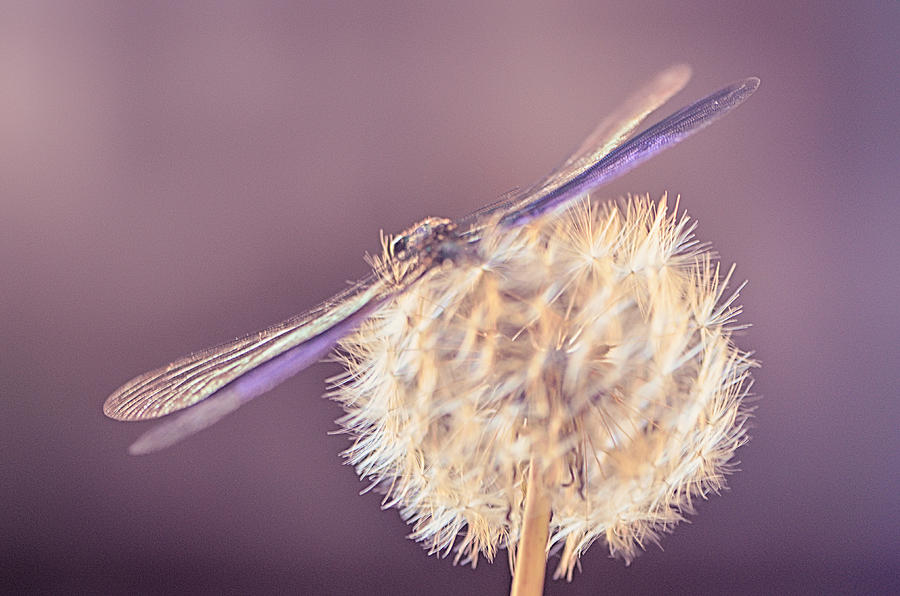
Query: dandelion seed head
(595,344)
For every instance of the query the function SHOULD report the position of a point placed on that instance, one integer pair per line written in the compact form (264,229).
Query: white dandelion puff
(595,345)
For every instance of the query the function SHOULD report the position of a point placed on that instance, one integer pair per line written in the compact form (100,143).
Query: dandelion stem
(531,557)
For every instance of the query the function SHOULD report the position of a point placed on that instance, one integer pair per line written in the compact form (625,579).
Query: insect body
(414,252)
(424,240)
(218,380)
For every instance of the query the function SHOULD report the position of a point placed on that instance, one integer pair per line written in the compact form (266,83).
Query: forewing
(617,127)
(583,176)
(198,376)
(251,384)
(609,134)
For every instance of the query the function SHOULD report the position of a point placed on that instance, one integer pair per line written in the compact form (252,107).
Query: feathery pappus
(596,345)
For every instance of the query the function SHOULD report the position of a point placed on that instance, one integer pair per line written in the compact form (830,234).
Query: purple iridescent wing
(227,376)
(604,156)
(612,131)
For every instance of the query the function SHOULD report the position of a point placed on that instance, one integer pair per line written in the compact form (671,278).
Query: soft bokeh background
(174,176)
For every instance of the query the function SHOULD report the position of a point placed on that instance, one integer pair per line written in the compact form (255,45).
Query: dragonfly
(203,387)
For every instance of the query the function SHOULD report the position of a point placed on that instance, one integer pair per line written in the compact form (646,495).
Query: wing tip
(122,403)
(741,90)
(677,75)
(145,445)
(750,84)
(122,407)
(112,407)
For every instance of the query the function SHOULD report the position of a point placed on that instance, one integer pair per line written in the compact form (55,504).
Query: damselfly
(216,381)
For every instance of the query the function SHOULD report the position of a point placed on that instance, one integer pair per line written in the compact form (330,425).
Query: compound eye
(400,245)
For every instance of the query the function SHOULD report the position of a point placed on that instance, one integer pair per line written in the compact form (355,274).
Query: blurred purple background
(172,177)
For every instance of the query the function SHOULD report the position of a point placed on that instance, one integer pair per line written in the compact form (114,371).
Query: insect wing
(617,127)
(612,131)
(249,384)
(298,341)
(587,168)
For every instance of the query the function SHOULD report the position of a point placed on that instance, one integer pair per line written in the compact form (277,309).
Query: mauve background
(174,176)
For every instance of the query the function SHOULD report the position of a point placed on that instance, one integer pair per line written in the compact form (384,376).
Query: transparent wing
(612,131)
(589,168)
(617,127)
(274,354)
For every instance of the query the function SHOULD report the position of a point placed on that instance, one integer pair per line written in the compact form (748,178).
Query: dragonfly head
(431,241)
